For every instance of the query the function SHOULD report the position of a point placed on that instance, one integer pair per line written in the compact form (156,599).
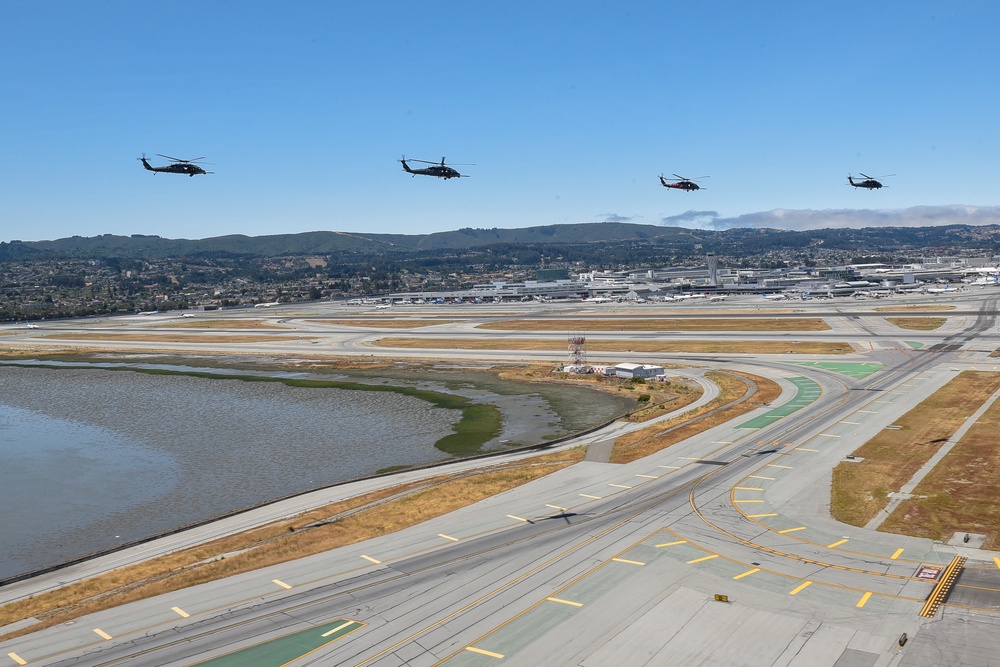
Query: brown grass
(662,324)
(319,530)
(894,456)
(917,323)
(221,324)
(639,444)
(925,308)
(664,346)
(960,492)
(173,338)
(386,323)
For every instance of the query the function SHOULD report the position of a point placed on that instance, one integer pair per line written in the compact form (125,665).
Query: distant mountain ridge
(942,238)
(323,243)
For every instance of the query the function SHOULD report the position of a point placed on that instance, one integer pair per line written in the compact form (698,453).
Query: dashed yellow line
(863,600)
(791,530)
(836,544)
(569,602)
(102,634)
(671,544)
(747,573)
(899,552)
(703,558)
(799,588)
(480,651)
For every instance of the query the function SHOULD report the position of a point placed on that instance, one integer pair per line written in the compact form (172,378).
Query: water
(92,458)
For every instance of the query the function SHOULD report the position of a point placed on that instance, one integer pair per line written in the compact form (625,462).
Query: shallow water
(92,458)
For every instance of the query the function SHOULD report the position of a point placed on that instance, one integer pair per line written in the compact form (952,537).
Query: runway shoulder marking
(648,476)
(517,518)
(620,486)
(997,561)
(280,583)
(863,600)
(569,602)
(836,544)
(671,467)
(16,658)
(747,573)
(803,449)
(180,612)
(770,479)
(775,465)
(747,488)
(555,507)
(791,530)
(627,561)
(448,537)
(371,560)
(671,544)
(498,656)
(587,495)
(702,559)
(759,516)
(799,588)
(747,500)
(899,552)
(102,634)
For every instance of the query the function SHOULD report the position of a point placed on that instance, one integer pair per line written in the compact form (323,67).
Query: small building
(638,370)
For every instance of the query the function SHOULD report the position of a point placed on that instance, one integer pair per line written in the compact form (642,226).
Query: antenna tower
(577,351)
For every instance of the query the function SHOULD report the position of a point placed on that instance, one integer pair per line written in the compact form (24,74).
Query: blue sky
(569,110)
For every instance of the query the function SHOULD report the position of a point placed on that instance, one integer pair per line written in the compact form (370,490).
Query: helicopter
(437,169)
(869,182)
(687,184)
(177,166)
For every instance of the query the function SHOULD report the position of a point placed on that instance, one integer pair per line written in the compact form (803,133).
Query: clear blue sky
(569,110)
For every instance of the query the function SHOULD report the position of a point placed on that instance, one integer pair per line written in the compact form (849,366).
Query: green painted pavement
(806,392)
(283,650)
(856,370)
(915,345)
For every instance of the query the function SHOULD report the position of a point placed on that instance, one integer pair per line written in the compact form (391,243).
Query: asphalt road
(615,564)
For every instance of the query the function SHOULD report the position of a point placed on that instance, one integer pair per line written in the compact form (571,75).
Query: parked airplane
(717,298)
(188,315)
(267,305)
(383,306)
(775,297)
(599,299)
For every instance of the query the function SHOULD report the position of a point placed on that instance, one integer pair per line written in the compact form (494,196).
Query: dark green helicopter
(440,170)
(176,166)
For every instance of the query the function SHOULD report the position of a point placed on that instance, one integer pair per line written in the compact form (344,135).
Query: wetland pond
(98,455)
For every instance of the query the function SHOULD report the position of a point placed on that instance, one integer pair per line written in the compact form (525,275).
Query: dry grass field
(893,456)
(222,324)
(662,324)
(917,323)
(173,338)
(386,323)
(960,493)
(659,436)
(664,346)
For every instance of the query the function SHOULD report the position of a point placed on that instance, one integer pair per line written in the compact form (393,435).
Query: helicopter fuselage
(175,168)
(870,183)
(680,185)
(438,170)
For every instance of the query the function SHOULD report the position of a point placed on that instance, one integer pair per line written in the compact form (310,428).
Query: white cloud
(805,219)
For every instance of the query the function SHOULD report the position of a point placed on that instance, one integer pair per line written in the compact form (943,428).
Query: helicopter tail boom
(145,163)
(406,167)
